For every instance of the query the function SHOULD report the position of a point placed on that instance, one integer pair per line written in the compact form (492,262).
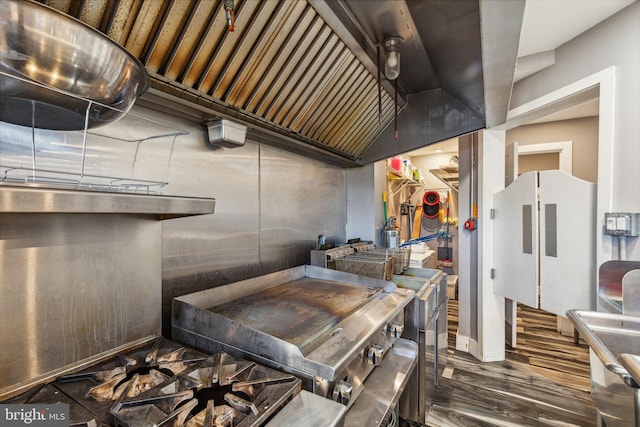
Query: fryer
(329,328)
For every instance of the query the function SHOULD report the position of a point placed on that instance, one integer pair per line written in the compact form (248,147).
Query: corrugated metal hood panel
(302,69)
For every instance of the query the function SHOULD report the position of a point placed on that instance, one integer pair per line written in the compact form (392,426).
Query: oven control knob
(396,329)
(342,392)
(374,354)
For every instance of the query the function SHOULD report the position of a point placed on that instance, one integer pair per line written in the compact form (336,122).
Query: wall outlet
(622,224)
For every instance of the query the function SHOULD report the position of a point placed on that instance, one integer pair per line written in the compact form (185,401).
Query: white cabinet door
(567,243)
(515,251)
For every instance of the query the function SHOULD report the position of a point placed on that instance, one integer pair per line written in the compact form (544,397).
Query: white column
(491,315)
(466,253)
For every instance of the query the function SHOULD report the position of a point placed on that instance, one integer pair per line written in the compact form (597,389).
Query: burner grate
(163,383)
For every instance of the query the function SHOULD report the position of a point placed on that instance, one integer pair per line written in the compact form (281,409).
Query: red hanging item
(431,204)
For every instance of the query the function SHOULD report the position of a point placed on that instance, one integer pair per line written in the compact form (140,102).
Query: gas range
(165,383)
(338,332)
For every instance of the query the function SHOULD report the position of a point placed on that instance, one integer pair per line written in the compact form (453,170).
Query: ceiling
(548,24)
(562,21)
(303,74)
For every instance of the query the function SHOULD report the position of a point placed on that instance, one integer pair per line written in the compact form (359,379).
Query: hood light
(392,47)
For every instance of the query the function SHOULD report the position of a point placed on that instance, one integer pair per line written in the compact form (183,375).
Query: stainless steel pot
(391,238)
(54,69)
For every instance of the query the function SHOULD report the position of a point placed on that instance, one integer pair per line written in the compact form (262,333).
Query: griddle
(318,324)
(300,311)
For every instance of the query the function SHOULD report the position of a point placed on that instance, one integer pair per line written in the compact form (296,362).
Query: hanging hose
(440,234)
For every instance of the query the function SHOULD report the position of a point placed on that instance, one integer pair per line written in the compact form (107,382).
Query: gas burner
(164,383)
(142,369)
(222,391)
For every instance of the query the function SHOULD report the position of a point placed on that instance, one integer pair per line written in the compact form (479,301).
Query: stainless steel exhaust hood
(305,70)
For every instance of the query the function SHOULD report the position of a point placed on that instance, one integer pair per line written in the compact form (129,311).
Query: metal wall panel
(211,250)
(299,199)
(73,286)
(270,207)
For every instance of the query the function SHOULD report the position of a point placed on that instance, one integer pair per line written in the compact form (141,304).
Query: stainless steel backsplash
(79,284)
(74,286)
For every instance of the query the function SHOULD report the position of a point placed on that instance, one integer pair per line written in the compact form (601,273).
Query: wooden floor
(544,381)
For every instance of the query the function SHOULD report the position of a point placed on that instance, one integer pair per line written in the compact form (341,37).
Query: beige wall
(538,162)
(583,132)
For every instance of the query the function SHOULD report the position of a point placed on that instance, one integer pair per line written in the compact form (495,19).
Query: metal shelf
(59,157)
(448,175)
(118,168)
(402,183)
(37,199)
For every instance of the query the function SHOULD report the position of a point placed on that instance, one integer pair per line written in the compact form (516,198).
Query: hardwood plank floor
(544,381)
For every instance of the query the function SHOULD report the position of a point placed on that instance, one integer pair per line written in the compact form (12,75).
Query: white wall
(613,43)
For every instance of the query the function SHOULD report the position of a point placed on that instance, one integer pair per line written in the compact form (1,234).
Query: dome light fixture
(392,47)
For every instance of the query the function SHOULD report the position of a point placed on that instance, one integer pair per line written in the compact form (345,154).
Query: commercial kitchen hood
(302,74)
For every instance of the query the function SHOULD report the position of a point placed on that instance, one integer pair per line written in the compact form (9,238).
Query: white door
(567,243)
(515,250)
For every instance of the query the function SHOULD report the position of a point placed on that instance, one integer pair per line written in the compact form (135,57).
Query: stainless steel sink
(614,390)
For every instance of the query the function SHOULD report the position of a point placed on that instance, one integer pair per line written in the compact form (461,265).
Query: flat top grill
(307,308)
(314,321)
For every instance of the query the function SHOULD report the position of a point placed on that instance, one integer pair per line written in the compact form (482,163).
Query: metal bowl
(55,68)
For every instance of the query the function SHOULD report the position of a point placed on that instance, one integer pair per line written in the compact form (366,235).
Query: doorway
(586,104)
